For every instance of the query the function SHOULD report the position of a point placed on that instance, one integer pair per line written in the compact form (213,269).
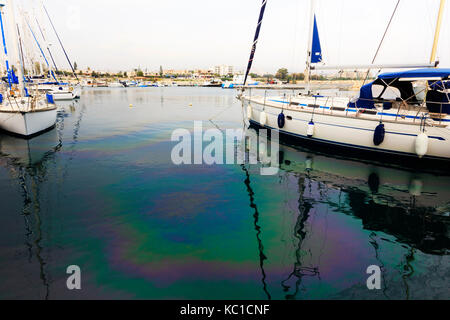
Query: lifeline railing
(397,105)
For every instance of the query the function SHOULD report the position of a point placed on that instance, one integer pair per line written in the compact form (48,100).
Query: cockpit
(408,89)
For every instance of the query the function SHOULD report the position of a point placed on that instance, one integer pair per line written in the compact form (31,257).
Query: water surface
(100,191)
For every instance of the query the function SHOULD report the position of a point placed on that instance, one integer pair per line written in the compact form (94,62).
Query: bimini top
(418,73)
(396,88)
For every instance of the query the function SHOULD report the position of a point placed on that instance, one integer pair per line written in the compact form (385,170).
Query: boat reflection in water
(404,214)
(28,153)
(34,165)
(374,190)
(28,161)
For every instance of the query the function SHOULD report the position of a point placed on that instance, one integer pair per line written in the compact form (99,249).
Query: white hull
(47,87)
(65,94)
(115,85)
(349,128)
(60,96)
(27,123)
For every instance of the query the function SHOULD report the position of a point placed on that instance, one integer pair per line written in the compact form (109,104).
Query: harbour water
(100,191)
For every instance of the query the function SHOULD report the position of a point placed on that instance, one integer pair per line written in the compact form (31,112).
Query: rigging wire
(48,49)
(60,42)
(294,53)
(382,40)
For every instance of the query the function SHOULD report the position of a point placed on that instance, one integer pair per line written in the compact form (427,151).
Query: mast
(4,46)
(27,42)
(16,57)
(310,43)
(60,42)
(42,52)
(255,40)
(438,31)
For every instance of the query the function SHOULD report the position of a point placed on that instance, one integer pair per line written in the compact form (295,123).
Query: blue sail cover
(316,54)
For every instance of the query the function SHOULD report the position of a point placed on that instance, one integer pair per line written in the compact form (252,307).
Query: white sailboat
(238,81)
(61,93)
(116,84)
(400,114)
(57,89)
(22,111)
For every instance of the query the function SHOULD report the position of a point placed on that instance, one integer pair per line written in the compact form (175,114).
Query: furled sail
(255,41)
(316,54)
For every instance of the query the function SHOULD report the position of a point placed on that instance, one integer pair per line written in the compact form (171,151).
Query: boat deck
(338,106)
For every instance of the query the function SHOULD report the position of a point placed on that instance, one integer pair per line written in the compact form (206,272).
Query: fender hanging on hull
(379,134)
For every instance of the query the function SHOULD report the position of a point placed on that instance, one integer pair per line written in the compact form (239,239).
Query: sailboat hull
(62,96)
(28,124)
(353,136)
(62,93)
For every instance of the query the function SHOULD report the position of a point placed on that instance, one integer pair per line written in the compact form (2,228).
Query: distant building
(151,73)
(88,72)
(174,72)
(223,70)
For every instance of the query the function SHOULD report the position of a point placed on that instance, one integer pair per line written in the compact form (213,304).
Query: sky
(113,35)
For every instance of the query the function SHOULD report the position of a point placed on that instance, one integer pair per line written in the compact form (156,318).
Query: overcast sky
(115,35)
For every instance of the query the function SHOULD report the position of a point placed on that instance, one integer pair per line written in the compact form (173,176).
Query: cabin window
(377,90)
(391,93)
(385,93)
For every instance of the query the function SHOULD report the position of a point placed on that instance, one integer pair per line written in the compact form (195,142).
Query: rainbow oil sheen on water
(100,191)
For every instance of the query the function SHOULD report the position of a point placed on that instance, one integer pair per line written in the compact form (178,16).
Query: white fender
(308,164)
(415,187)
(263,118)
(421,145)
(249,111)
(310,130)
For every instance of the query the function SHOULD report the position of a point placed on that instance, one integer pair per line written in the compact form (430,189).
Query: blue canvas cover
(418,73)
(365,97)
(439,85)
(438,101)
